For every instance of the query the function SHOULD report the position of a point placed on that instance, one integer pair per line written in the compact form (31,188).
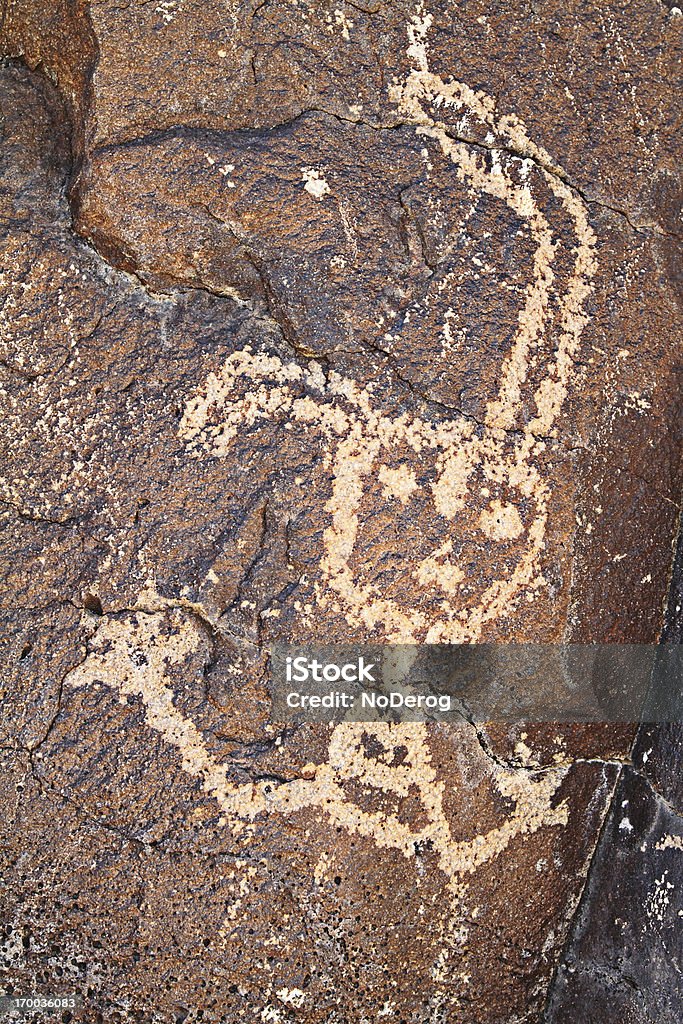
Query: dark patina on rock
(320,322)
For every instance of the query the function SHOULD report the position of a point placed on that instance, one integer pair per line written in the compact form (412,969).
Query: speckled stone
(320,322)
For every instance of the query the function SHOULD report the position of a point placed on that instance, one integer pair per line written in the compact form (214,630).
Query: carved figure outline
(356,434)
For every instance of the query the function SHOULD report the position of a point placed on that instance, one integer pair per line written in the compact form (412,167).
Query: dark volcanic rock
(625,961)
(303,338)
(623,958)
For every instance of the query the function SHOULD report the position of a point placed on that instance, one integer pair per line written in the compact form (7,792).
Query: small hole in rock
(92,603)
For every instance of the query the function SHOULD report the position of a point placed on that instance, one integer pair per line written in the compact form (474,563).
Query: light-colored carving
(115,662)
(359,439)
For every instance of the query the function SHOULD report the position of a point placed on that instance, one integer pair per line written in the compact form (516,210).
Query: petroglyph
(359,439)
(132,656)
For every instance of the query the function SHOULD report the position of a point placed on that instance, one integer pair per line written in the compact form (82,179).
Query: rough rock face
(320,322)
(623,959)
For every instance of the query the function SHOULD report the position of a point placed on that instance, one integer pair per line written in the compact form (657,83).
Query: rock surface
(623,959)
(304,338)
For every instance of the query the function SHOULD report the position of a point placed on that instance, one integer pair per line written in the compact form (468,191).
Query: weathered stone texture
(321,322)
(625,961)
(623,958)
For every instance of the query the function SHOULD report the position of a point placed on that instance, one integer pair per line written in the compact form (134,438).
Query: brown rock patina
(305,336)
